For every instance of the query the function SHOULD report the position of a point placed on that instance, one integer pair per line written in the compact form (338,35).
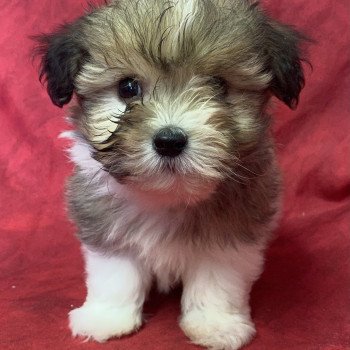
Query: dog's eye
(220,84)
(129,88)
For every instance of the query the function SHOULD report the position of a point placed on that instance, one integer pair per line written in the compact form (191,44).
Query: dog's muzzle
(170,141)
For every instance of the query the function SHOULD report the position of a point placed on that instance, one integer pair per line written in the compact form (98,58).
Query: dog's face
(172,95)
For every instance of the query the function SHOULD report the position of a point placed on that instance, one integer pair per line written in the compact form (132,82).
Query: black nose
(170,141)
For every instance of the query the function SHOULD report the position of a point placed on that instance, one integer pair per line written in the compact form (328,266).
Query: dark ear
(284,57)
(62,56)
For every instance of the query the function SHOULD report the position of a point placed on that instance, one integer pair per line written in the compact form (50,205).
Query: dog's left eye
(220,84)
(129,88)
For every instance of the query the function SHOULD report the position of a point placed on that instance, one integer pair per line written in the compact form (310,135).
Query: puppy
(175,176)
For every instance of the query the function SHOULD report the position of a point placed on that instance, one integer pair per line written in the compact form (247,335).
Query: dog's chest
(153,237)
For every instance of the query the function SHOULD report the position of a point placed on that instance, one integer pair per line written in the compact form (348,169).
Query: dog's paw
(217,331)
(100,321)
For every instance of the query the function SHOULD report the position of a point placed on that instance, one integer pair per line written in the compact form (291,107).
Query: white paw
(101,321)
(217,331)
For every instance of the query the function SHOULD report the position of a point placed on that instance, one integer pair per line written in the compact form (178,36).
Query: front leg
(215,301)
(116,290)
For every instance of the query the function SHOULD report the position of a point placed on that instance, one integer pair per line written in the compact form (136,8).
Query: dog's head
(172,94)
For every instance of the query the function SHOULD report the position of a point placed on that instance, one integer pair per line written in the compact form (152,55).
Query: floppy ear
(283,49)
(62,56)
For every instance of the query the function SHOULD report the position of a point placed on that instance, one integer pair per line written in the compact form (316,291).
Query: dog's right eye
(129,88)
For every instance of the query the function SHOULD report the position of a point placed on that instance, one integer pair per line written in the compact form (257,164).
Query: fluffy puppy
(175,176)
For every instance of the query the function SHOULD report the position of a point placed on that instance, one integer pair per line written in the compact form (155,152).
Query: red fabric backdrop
(302,300)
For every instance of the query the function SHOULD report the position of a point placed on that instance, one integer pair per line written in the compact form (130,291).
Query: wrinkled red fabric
(301,302)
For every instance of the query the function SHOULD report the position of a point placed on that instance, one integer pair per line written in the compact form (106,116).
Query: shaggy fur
(203,217)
